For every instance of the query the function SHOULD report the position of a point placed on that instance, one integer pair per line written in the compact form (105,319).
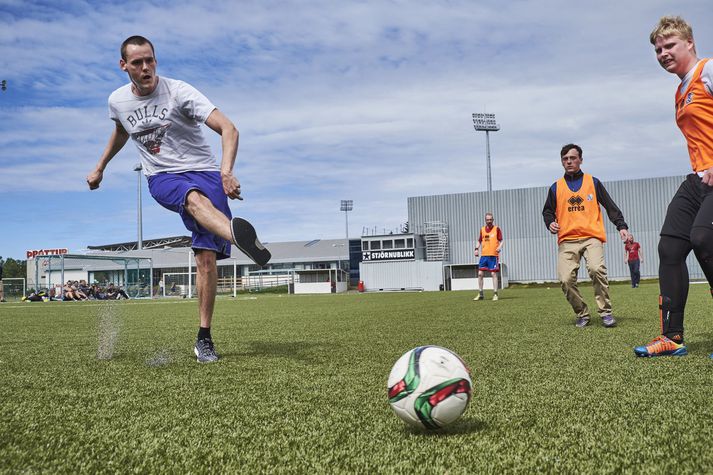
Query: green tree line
(13,268)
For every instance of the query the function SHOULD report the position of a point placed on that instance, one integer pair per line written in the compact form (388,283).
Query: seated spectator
(68,292)
(41,296)
(113,292)
(97,292)
(84,288)
(78,292)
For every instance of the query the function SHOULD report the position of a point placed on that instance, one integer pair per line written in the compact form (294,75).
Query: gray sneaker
(205,352)
(608,321)
(582,322)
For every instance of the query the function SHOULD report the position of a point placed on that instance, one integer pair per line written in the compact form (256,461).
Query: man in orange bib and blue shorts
(688,225)
(572,212)
(488,246)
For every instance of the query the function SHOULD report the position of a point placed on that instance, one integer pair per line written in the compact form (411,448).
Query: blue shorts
(170,191)
(489,263)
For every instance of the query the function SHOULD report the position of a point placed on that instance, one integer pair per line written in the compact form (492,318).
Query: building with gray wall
(530,251)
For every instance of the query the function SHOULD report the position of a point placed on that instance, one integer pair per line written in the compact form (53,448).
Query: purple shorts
(170,191)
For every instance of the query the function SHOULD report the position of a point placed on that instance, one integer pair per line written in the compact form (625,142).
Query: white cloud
(366,100)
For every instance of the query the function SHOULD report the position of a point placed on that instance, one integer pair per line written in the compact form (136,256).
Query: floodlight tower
(139,219)
(486,122)
(347,206)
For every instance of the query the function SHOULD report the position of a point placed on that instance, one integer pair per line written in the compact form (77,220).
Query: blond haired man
(688,225)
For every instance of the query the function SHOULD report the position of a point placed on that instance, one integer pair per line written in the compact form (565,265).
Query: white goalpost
(14,287)
(180,284)
(133,275)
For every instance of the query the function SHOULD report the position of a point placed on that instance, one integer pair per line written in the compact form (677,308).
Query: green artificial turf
(301,386)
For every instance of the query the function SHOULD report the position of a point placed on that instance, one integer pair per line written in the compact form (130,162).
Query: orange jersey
(578,212)
(489,241)
(694,116)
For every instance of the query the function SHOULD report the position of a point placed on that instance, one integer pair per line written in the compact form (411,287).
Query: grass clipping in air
(108,329)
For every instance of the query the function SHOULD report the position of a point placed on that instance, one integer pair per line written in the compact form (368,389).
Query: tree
(12,268)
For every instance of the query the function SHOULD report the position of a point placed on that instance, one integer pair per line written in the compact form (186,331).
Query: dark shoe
(205,352)
(245,238)
(608,321)
(582,322)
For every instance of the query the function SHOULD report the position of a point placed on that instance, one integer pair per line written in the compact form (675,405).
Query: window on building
(399,243)
(409,243)
(375,245)
(387,244)
(365,245)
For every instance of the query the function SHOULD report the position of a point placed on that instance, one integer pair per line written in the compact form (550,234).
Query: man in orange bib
(689,219)
(488,246)
(572,212)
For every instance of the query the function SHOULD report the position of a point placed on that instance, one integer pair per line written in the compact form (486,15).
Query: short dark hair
(569,147)
(135,40)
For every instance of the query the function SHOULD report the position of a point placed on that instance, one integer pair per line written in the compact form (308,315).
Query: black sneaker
(245,238)
(205,352)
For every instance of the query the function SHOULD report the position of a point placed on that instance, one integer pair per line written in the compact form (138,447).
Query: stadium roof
(173,241)
(317,250)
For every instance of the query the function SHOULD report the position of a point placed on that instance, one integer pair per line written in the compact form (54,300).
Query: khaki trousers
(569,256)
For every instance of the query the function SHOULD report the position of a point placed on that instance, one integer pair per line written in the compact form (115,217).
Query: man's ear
(122,64)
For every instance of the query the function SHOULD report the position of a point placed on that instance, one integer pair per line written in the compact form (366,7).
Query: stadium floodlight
(346,206)
(139,219)
(486,123)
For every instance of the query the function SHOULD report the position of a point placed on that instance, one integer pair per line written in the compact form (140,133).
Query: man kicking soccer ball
(163,116)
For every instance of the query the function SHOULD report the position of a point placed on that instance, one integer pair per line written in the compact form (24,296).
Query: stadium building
(436,253)
(164,262)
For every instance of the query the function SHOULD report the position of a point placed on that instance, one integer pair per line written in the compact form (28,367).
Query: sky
(370,101)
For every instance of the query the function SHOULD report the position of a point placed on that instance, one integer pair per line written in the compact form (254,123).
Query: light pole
(346,206)
(486,122)
(140,241)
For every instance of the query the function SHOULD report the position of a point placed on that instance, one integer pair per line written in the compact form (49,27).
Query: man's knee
(597,271)
(568,280)
(196,200)
(673,250)
(206,262)
(702,243)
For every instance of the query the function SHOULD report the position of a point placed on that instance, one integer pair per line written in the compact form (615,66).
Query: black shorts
(691,207)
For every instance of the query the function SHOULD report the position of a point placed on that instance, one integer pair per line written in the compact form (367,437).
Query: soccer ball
(429,387)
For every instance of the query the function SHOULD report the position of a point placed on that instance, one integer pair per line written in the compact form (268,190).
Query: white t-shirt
(706,77)
(165,126)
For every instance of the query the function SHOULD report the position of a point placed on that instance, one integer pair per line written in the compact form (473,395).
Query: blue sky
(362,100)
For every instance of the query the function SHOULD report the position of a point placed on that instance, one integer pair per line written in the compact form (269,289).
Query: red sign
(46,252)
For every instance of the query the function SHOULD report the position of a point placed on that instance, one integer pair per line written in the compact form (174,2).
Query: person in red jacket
(633,257)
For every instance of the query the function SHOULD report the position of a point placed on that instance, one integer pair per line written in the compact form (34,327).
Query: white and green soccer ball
(429,387)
